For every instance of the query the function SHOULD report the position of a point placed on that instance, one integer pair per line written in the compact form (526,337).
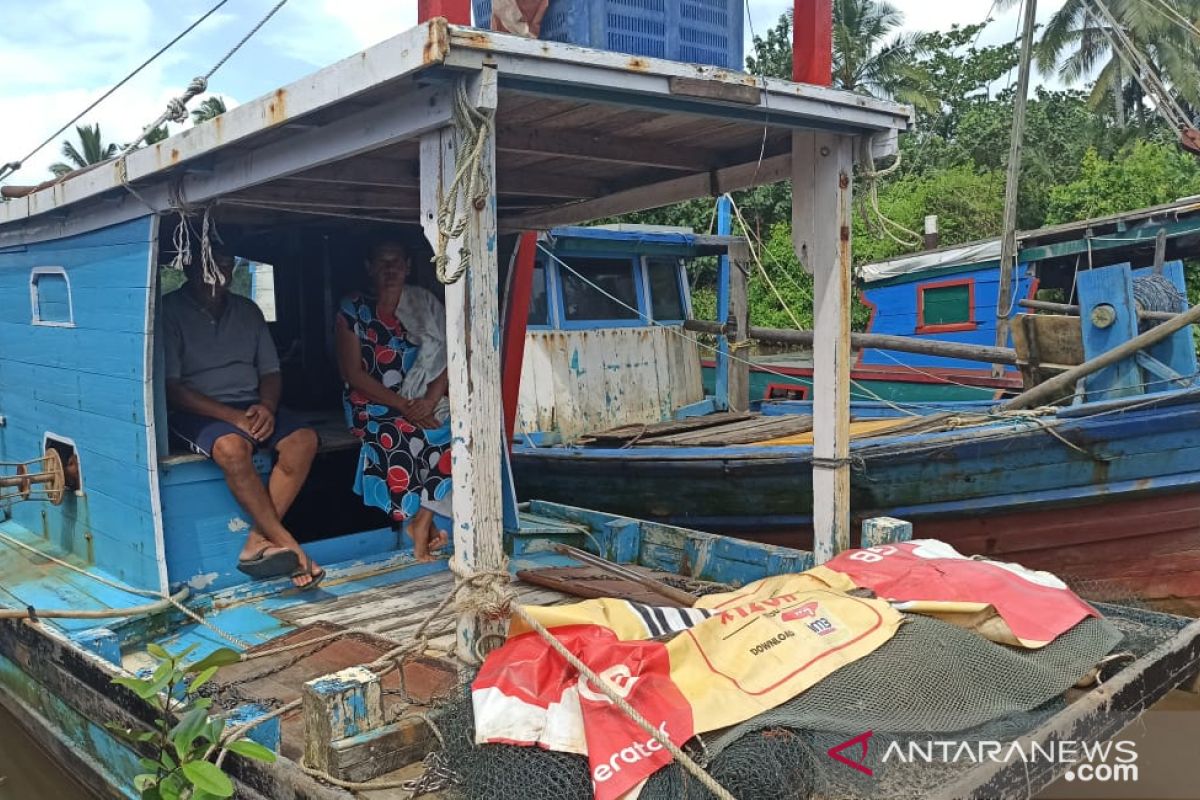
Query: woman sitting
(391,348)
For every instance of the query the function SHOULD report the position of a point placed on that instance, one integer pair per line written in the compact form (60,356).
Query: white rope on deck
(164,598)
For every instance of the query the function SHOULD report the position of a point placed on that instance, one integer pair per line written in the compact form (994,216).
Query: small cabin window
(50,297)
(666,294)
(539,298)
(946,306)
(599,290)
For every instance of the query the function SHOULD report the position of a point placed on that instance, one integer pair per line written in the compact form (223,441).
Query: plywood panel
(573,382)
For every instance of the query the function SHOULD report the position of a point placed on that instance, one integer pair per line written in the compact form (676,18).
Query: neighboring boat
(1104,493)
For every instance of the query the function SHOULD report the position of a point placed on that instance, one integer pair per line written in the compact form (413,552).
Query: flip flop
(317,577)
(261,566)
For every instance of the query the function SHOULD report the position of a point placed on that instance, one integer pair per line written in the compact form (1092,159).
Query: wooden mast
(472,333)
(1008,242)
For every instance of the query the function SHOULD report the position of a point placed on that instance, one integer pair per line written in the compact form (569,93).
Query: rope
(35,614)
(13,166)
(474,128)
(179,606)
(603,685)
(176,110)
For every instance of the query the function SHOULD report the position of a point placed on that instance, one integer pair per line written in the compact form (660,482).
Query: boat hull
(1112,502)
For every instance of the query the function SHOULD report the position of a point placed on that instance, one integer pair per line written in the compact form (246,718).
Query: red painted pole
(513,353)
(812,42)
(456,12)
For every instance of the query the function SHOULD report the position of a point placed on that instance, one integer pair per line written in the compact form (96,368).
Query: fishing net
(931,679)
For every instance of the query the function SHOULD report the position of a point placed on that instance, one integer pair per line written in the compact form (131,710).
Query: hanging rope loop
(471,183)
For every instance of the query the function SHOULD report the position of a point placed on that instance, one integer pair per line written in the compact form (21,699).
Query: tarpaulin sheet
(522,17)
(739,654)
(1004,602)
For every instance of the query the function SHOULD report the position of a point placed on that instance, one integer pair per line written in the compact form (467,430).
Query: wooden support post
(738,364)
(516,309)
(885,530)
(456,12)
(822,190)
(812,42)
(473,356)
(724,228)
(338,706)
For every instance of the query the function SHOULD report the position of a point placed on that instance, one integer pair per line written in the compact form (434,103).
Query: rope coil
(474,128)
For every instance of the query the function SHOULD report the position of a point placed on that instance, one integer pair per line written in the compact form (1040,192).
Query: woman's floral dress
(400,465)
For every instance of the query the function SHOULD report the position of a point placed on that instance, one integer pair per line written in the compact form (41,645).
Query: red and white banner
(739,654)
(1004,602)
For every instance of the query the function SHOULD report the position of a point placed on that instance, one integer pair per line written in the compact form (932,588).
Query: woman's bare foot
(419,528)
(440,539)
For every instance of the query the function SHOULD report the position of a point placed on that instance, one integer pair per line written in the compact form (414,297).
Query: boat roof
(1140,226)
(581,134)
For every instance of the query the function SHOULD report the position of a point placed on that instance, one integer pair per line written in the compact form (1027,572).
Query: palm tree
(92,150)
(211,107)
(866,60)
(1075,44)
(156,135)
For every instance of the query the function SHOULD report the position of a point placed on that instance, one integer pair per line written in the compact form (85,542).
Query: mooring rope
(474,128)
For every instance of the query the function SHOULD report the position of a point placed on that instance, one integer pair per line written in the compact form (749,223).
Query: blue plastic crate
(695,31)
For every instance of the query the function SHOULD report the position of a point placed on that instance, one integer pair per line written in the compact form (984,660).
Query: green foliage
(1146,173)
(91,150)
(184,735)
(969,206)
(209,108)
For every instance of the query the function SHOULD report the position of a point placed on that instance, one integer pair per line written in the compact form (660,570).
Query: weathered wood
(1062,385)
(699,87)
(371,754)
(757,429)
(646,582)
(628,432)
(554,143)
(1109,319)
(338,706)
(1008,241)
(1046,345)
(822,181)
(739,315)
(878,531)
(473,334)
(1073,310)
(879,341)
(717,181)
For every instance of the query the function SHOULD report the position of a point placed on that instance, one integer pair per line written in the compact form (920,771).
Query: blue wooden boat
(1104,491)
(113,540)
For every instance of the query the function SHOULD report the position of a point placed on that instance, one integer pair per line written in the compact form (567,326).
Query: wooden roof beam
(653,195)
(598,147)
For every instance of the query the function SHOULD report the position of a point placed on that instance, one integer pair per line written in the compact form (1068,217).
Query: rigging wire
(13,166)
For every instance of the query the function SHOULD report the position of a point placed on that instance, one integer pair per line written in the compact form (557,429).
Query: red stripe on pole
(456,12)
(513,354)
(812,42)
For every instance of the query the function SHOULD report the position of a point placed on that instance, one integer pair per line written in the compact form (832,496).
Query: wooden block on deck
(367,756)
(339,706)
(885,530)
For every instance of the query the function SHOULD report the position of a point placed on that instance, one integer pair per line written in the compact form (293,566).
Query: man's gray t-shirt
(221,358)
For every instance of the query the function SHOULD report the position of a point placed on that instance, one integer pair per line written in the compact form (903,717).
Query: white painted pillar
(822,189)
(473,355)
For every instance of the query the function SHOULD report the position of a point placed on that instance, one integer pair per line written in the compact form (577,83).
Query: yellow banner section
(769,642)
(761,645)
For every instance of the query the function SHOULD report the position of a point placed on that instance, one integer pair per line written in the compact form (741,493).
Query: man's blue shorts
(200,432)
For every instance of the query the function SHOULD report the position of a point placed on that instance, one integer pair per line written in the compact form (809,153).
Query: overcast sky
(56,56)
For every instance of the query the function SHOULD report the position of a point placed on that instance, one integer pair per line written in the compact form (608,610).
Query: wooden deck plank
(629,432)
(752,430)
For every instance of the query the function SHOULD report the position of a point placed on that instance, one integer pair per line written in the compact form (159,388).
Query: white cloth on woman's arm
(424,320)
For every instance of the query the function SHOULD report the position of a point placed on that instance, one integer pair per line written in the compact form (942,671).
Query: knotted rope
(474,128)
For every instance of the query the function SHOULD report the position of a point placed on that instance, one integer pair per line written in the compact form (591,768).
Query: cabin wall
(894,310)
(577,381)
(87,381)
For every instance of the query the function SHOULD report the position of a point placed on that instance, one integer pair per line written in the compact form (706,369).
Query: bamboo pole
(879,341)
(1008,244)
(1073,311)
(1063,384)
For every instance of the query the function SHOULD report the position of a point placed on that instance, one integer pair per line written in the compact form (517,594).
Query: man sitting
(223,388)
